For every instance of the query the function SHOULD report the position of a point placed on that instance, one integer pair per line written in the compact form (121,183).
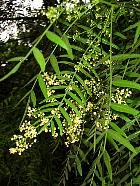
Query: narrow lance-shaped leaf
(11,72)
(33,98)
(39,58)
(111,140)
(137,34)
(124,108)
(107,161)
(83,84)
(69,50)
(79,92)
(42,86)
(126,83)
(79,167)
(52,127)
(76,98)
(120,35)
(66,115)
(125,142)
(56,39)
(69,103)
(118,129)
(133,74)
(131,26)
(59,124)
(121,57)
(19,58)
(54,64)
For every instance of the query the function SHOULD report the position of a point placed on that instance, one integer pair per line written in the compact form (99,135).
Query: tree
(82,100)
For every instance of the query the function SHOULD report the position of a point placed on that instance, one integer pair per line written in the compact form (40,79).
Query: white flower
(12,150)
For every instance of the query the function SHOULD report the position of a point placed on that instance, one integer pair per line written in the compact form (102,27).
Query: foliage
(86,96)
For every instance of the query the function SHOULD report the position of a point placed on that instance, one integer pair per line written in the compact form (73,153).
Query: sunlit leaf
(126,83)
(56,39)
(39,58)
(121,57)
(124,108)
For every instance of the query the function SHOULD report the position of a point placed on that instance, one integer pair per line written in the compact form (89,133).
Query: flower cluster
(52,13)
(74,131)
(25,139)
(120,95)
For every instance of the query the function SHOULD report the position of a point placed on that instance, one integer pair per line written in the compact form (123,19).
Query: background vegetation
(90,55)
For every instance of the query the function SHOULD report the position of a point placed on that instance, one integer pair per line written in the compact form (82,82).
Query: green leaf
(49,105)
(132,26)
(78,100)
(120,35)
(79,167)
(54,64)
(69,50)
(132,74)
(66,63)
(91,68)
(110,139)
(59,124)
(118,129)
(57,96)
(126,83)
(39,58)
(43,128)
(83,84)
(100,168)
(137,34)
(42,86)
(124,108)
(33,98)
(66,115)
(131,157)
(77,48)
(86,73)
(92,145)
(57,87)
(107,161)
(52,127)
(121,57)
(46,110)
(78,91)
(12,71)
(73,107)
(125,142)
(56,39)
(136,180)
(19,58)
